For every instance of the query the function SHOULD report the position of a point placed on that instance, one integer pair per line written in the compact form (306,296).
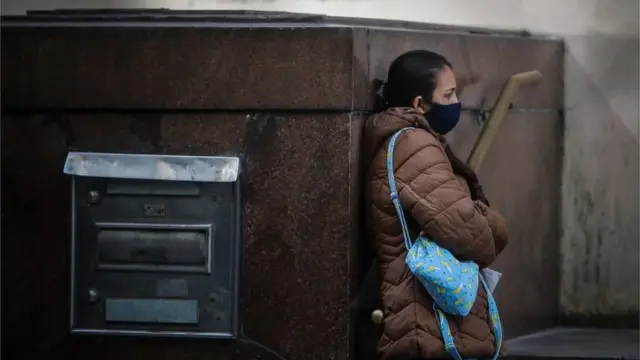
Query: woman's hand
(477,193)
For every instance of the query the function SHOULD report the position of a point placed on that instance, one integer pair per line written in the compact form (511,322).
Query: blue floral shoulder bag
(452,284)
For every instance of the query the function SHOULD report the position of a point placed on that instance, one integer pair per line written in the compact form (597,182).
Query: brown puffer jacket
(437,202)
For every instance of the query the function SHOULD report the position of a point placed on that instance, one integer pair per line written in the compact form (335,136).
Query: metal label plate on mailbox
(155,244)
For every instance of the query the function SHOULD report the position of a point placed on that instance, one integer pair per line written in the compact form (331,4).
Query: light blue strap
(447,338)
(394,190)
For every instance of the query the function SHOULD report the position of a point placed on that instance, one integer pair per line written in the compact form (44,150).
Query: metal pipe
(498,113)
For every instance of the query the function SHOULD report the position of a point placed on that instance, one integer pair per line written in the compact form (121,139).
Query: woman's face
(444,94)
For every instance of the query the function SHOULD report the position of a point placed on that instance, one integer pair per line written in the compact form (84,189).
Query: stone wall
(291,103)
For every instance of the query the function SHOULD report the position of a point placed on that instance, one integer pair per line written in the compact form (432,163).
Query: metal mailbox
(155,244)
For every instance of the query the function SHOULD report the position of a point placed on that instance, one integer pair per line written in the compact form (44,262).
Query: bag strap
(447,338)
(394,189)
(443,324)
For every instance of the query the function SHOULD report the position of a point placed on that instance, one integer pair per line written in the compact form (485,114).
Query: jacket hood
(380,126)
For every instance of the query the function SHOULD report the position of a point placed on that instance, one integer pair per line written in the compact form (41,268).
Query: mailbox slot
(151,247)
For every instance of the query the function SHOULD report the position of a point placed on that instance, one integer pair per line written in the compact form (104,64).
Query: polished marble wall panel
(297,224)
(178,68)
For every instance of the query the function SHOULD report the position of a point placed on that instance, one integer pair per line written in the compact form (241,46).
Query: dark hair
(412,74)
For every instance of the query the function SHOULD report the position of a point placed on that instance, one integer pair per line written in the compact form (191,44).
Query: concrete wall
(600,178)
(600,206)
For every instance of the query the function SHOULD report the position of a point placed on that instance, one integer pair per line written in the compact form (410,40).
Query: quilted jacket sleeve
(428,188)
(499,229)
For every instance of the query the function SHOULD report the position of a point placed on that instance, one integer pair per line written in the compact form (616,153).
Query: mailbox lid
(153,167)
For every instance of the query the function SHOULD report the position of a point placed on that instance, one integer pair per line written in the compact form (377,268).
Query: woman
(444,199)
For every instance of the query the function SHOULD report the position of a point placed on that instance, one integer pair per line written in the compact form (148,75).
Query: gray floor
(577,343)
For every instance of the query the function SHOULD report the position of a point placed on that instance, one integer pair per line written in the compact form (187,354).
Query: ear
(419,105)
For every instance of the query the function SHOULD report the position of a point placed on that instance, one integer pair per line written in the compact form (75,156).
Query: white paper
(491,277)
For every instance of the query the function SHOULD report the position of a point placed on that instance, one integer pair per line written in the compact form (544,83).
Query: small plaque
(154,210)
(152,311)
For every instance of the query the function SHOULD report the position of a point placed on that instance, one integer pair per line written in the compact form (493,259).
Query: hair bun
(380,102)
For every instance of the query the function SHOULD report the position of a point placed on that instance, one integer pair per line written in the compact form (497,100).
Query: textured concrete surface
(601,205)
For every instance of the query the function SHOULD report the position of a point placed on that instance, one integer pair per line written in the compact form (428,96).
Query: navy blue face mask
(443,118)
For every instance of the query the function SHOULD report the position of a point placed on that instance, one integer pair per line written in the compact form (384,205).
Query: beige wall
(600,194)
